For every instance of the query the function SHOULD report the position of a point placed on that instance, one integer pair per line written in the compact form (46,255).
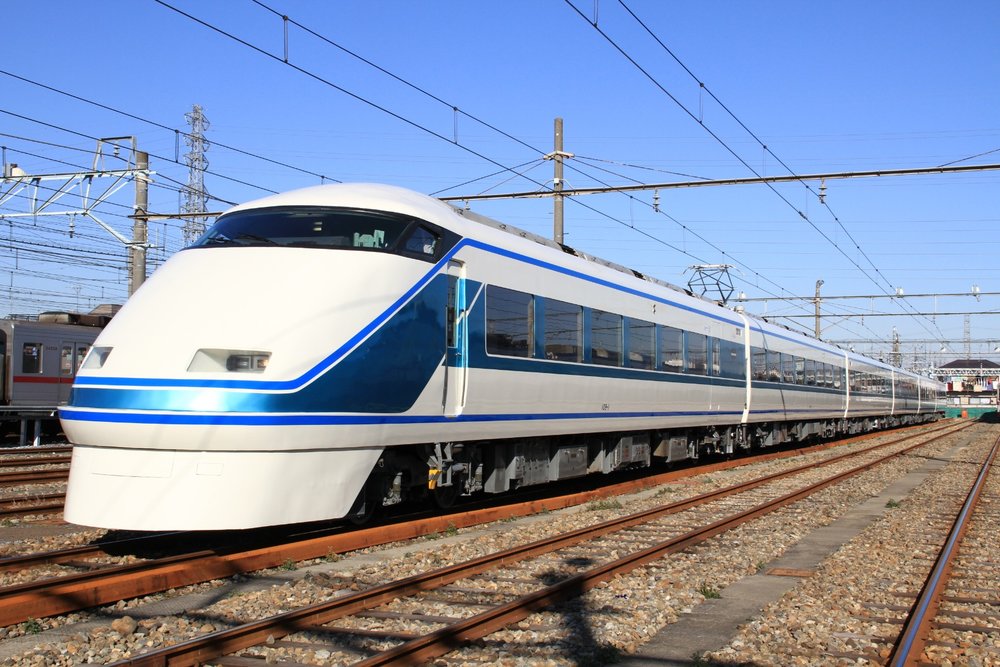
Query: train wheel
(445,496)
(366,505)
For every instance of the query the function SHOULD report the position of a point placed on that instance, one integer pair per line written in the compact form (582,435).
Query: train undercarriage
(446,471)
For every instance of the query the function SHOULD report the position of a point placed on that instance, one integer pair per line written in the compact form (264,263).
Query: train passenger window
(856,381)
(716,346)
(697,353)
(810,372)
(641,343)
(66,360)
(773,366)
(509,322)
(800,370)
(562,338)
(31,358)
(758,363)
(731,360)
(671,351)
(788,365)
(605,338)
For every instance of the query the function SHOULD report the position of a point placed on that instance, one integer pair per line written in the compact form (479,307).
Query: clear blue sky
(841,87)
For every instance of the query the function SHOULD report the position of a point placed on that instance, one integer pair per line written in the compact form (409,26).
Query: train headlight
(233,361)
(255,362)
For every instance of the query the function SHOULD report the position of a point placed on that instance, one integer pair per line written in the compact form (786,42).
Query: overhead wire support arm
(918,171)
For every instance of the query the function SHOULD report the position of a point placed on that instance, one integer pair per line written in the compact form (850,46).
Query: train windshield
(311,227)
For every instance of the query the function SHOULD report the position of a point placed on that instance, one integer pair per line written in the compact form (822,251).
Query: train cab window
(509,322)
(641,344)
(605,338)
(562,337)
(697,353)
(671,351)
(328,227)
(422,241)
(31,358)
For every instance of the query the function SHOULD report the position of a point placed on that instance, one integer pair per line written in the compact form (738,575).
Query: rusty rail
(35,504)
(33,477)
(910,644)
(34,461)
(438,643)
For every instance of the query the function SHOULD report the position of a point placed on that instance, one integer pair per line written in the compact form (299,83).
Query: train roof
(408,202)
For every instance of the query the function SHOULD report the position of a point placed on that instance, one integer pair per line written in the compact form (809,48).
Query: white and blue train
(327,351)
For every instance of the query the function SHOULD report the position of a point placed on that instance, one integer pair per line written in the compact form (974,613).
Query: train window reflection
(671,349)
(31,358)
(605,338)
(509,322)
(563,328)
(641,339)
(310,226)
(697,353)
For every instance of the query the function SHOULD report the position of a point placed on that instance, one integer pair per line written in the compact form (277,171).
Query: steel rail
(910,644)
(11,507)
(213,645)
(440,642)
(36,461)
(68,593)
(30,451)
(33,477)
(75,553)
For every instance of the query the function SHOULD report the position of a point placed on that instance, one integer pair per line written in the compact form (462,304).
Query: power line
(718,139)
(177,132)
(400,117)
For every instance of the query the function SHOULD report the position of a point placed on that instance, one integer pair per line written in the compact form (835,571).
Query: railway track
(31,505)
(502,588)
(103,583)
(950,611)
(29,467)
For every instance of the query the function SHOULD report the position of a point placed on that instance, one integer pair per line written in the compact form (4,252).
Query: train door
(457,342)
(71,354)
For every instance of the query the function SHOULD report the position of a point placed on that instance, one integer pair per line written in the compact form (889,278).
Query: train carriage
(422,351)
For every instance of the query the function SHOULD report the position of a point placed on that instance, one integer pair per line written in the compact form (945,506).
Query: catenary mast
(195,195)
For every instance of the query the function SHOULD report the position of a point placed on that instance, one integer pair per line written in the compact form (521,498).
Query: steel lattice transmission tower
(195,195)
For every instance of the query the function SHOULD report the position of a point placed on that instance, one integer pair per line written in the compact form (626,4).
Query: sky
(458,98)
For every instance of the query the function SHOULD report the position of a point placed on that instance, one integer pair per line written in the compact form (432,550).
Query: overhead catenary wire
(177,132)
(284,60)
(723,143)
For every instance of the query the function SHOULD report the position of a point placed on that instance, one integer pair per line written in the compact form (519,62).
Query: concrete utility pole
(137,249)
(819,283)
(557,156)
(557,185)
